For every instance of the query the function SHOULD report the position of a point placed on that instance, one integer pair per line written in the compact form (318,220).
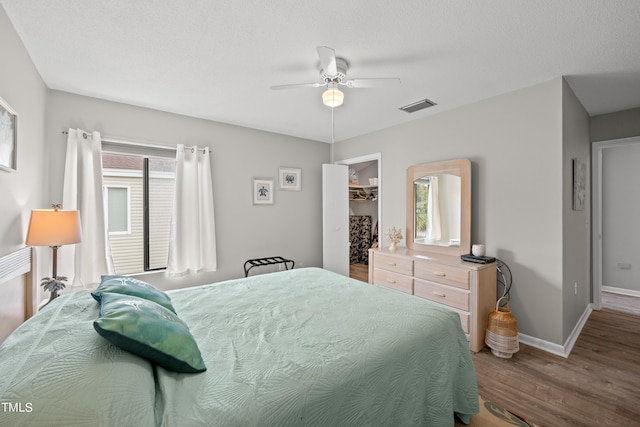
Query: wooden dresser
(467,288)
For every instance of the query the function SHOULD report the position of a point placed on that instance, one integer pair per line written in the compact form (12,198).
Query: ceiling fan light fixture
(333,97)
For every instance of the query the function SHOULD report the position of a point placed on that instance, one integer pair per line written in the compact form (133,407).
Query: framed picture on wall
(579,185)
(8,137)
(289,179)
(262,191)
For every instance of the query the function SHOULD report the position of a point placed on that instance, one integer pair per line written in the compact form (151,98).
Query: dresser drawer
(392,280)
(450,275)
(395,264)
(447,295)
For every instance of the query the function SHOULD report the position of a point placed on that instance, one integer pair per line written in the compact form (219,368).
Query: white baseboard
(620,291)
(560,350)
(542,344)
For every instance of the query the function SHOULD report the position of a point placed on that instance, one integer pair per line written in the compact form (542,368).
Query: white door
(335,218)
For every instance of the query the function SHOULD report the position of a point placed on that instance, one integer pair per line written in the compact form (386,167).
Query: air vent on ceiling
(416,106)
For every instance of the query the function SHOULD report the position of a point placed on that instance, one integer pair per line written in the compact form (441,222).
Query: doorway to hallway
(615,229)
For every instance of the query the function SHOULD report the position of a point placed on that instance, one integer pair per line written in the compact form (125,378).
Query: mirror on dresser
(430,267)
(439,207)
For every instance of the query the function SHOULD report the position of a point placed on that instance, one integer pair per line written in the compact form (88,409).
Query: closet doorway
(365,208)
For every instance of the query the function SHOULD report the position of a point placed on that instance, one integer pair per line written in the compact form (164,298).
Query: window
(139,207)
(118,210)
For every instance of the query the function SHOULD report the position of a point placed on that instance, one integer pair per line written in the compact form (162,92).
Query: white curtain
(192,242)
(83,191)
(434,232)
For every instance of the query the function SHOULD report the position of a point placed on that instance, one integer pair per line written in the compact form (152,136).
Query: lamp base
(53,296)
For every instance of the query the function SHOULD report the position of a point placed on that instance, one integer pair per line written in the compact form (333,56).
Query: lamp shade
(53,227)
(332,97)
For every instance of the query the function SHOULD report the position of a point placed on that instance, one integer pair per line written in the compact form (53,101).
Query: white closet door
(335,218)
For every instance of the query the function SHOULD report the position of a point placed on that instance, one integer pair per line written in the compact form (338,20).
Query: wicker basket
(502,332)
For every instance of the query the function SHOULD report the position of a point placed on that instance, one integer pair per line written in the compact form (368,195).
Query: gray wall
(20,191)
(292,227)
(622,124)
(576,227)
(519,184)
(23,89)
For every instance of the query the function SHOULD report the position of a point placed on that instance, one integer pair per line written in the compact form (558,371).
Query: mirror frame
(458,167)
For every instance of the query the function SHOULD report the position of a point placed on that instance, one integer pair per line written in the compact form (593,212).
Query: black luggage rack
(260,262)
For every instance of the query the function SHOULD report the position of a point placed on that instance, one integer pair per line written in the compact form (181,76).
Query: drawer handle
(391,281)
(440,294)
(392,264)
(439,273)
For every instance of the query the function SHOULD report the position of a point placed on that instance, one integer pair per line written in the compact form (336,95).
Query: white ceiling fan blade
(296,86)
(327,60)
(373,82)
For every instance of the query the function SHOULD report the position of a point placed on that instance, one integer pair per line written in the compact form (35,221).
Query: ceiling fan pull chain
(333,127)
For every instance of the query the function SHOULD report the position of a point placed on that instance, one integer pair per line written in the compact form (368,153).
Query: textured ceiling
(217,59)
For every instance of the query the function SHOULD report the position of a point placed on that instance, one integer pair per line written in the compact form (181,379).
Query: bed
(303,347)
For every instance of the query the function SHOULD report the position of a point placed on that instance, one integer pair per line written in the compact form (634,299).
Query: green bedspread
(303,347)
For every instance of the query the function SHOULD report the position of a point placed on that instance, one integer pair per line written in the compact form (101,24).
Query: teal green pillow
(148,330)
(130,286)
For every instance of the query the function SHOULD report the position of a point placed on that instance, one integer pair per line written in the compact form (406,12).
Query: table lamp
(54,227)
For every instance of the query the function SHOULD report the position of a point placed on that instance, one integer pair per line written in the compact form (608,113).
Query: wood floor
(621,302)
(359,272)
(597,385)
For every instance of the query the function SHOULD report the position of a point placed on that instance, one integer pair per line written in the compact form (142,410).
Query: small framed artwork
(8,137)
(262,191)
(579,185)
(290,179)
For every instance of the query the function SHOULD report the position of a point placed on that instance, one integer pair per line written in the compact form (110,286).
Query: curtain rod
(135,143)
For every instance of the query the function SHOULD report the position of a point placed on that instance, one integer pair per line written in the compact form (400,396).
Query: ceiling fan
(333,73)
